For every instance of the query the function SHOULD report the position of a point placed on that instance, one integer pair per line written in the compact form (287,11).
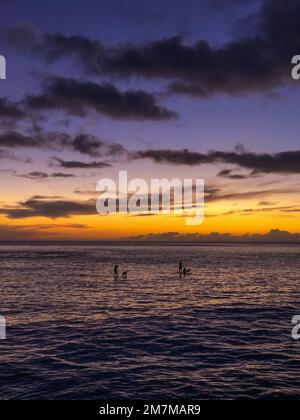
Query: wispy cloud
(38,231)
(81,165)
(38,175)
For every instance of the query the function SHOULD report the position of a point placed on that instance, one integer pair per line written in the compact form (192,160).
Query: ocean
(221,332)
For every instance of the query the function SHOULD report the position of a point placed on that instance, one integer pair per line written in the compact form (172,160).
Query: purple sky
(262,122)
(186,101)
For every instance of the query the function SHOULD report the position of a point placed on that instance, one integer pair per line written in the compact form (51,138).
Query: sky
(194,89)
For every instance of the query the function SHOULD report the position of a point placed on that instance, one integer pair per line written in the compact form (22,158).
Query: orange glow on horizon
(123,226)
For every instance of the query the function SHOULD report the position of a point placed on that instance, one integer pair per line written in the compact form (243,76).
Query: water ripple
(76,333)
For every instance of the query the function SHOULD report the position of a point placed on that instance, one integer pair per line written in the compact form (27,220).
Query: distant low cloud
(79,97)
(274,236)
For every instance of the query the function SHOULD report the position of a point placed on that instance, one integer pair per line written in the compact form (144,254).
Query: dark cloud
(52,209)
(257,59)
(62,175)
(13,139)
(81,165)
(283,163)
(26,37)
(175,157)
(92,146)
(82,143)
(78,98)
(88,145)
(10,110)
(35,138)
(56,207)
(89,52)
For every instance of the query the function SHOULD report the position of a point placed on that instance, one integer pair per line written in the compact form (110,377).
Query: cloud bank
(255,60)
(287,162)
(274,236)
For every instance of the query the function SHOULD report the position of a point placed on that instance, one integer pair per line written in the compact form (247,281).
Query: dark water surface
(73,332)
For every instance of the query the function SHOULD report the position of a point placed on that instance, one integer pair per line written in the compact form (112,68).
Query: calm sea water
(223,332)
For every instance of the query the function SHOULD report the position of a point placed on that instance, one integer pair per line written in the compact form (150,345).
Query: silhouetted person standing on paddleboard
(180,268)
(116,269)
